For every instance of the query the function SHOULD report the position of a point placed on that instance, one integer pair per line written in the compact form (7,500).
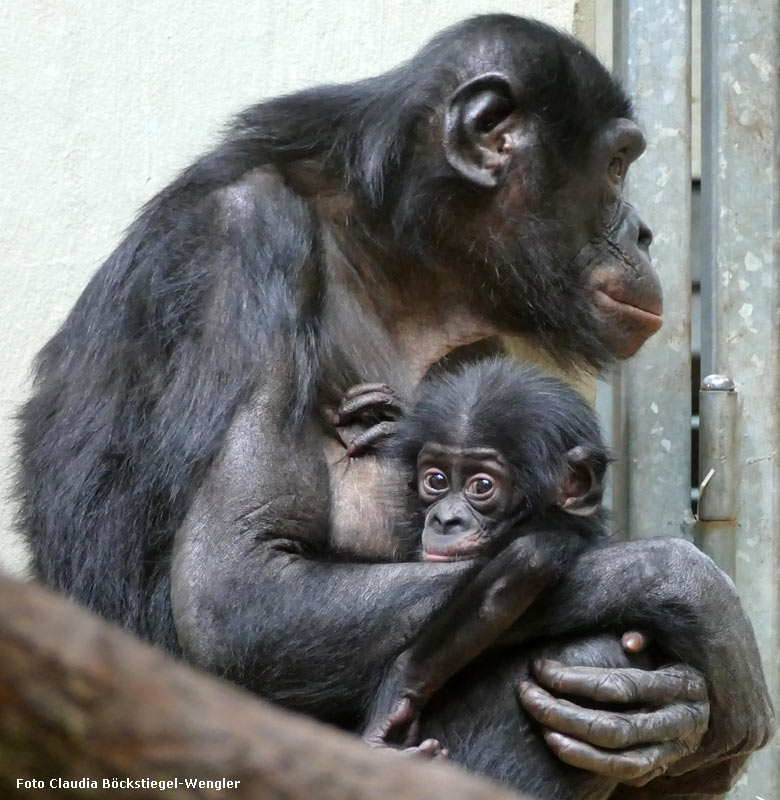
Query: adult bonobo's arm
(258,596)
(691,609)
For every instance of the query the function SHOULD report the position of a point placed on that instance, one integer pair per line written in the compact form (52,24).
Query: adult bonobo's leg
(340,235)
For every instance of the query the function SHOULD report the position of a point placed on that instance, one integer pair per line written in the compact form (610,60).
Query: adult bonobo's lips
(630,310)
(648,317)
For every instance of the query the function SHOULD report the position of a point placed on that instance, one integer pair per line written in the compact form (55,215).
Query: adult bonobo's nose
(639,279)
(644,235)
(626,290)
(634,232)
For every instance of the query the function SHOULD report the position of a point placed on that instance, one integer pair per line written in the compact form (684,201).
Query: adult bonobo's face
(615,262)
(541,145)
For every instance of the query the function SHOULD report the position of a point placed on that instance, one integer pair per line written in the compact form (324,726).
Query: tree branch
(79,698)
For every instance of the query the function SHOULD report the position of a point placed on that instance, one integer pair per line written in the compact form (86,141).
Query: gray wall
(102,103)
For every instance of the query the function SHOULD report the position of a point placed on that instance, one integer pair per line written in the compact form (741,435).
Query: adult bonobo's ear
(479,127)
(583,484)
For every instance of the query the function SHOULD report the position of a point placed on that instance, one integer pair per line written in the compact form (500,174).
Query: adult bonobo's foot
(375,404)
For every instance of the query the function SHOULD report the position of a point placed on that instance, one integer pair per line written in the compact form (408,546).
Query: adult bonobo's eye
(435,481)
(617,167)
(481,487)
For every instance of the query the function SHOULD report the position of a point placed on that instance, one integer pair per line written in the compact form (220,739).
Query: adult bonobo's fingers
(636,766)
(364,441)
(381,400)
(613,729)
(674,684)
(635,642)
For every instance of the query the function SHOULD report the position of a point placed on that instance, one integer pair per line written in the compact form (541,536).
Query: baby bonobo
(507,466)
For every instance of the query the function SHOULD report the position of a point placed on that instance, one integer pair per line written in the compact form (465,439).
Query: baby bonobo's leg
(493,601)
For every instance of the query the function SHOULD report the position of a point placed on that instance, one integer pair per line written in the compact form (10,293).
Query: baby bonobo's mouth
(450,554)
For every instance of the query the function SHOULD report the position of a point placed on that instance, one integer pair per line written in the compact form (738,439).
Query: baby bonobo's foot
(399,729)
(429,749)
(369,399)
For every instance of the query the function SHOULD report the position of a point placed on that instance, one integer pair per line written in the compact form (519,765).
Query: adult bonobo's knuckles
(628,685)
(715,635)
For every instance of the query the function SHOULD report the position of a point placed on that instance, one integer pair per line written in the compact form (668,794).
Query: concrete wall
(102,103)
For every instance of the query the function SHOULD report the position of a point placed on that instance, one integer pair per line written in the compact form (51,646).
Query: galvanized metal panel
(741,310)
(651,494)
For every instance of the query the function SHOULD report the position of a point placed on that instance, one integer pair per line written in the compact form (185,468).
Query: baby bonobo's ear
(583,484)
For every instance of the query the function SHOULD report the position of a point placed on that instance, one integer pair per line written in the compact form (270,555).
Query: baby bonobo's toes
(399,729)
(429,748)
(370,438)
(370,398)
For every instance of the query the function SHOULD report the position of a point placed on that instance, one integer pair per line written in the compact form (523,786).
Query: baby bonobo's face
(470,500)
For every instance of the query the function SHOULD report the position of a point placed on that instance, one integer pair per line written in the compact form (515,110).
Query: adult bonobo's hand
(690,607)
(633,746)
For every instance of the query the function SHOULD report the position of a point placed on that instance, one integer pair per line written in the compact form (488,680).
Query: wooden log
(82,702)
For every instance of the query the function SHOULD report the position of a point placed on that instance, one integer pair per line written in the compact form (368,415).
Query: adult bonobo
(181,470)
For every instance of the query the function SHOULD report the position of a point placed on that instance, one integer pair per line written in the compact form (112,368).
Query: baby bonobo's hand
(380,404)
(399,729)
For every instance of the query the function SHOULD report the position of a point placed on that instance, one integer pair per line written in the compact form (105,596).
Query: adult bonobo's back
(181,472)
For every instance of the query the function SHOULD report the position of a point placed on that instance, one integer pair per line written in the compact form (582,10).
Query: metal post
(653,57)
(718,470)
(741,306)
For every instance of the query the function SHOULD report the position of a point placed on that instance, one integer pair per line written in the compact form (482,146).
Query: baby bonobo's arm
(490,604)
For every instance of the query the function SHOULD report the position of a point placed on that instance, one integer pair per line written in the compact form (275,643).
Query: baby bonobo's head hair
(534,420)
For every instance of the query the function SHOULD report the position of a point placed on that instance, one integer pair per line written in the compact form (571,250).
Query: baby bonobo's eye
(481,487)
(435,481)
